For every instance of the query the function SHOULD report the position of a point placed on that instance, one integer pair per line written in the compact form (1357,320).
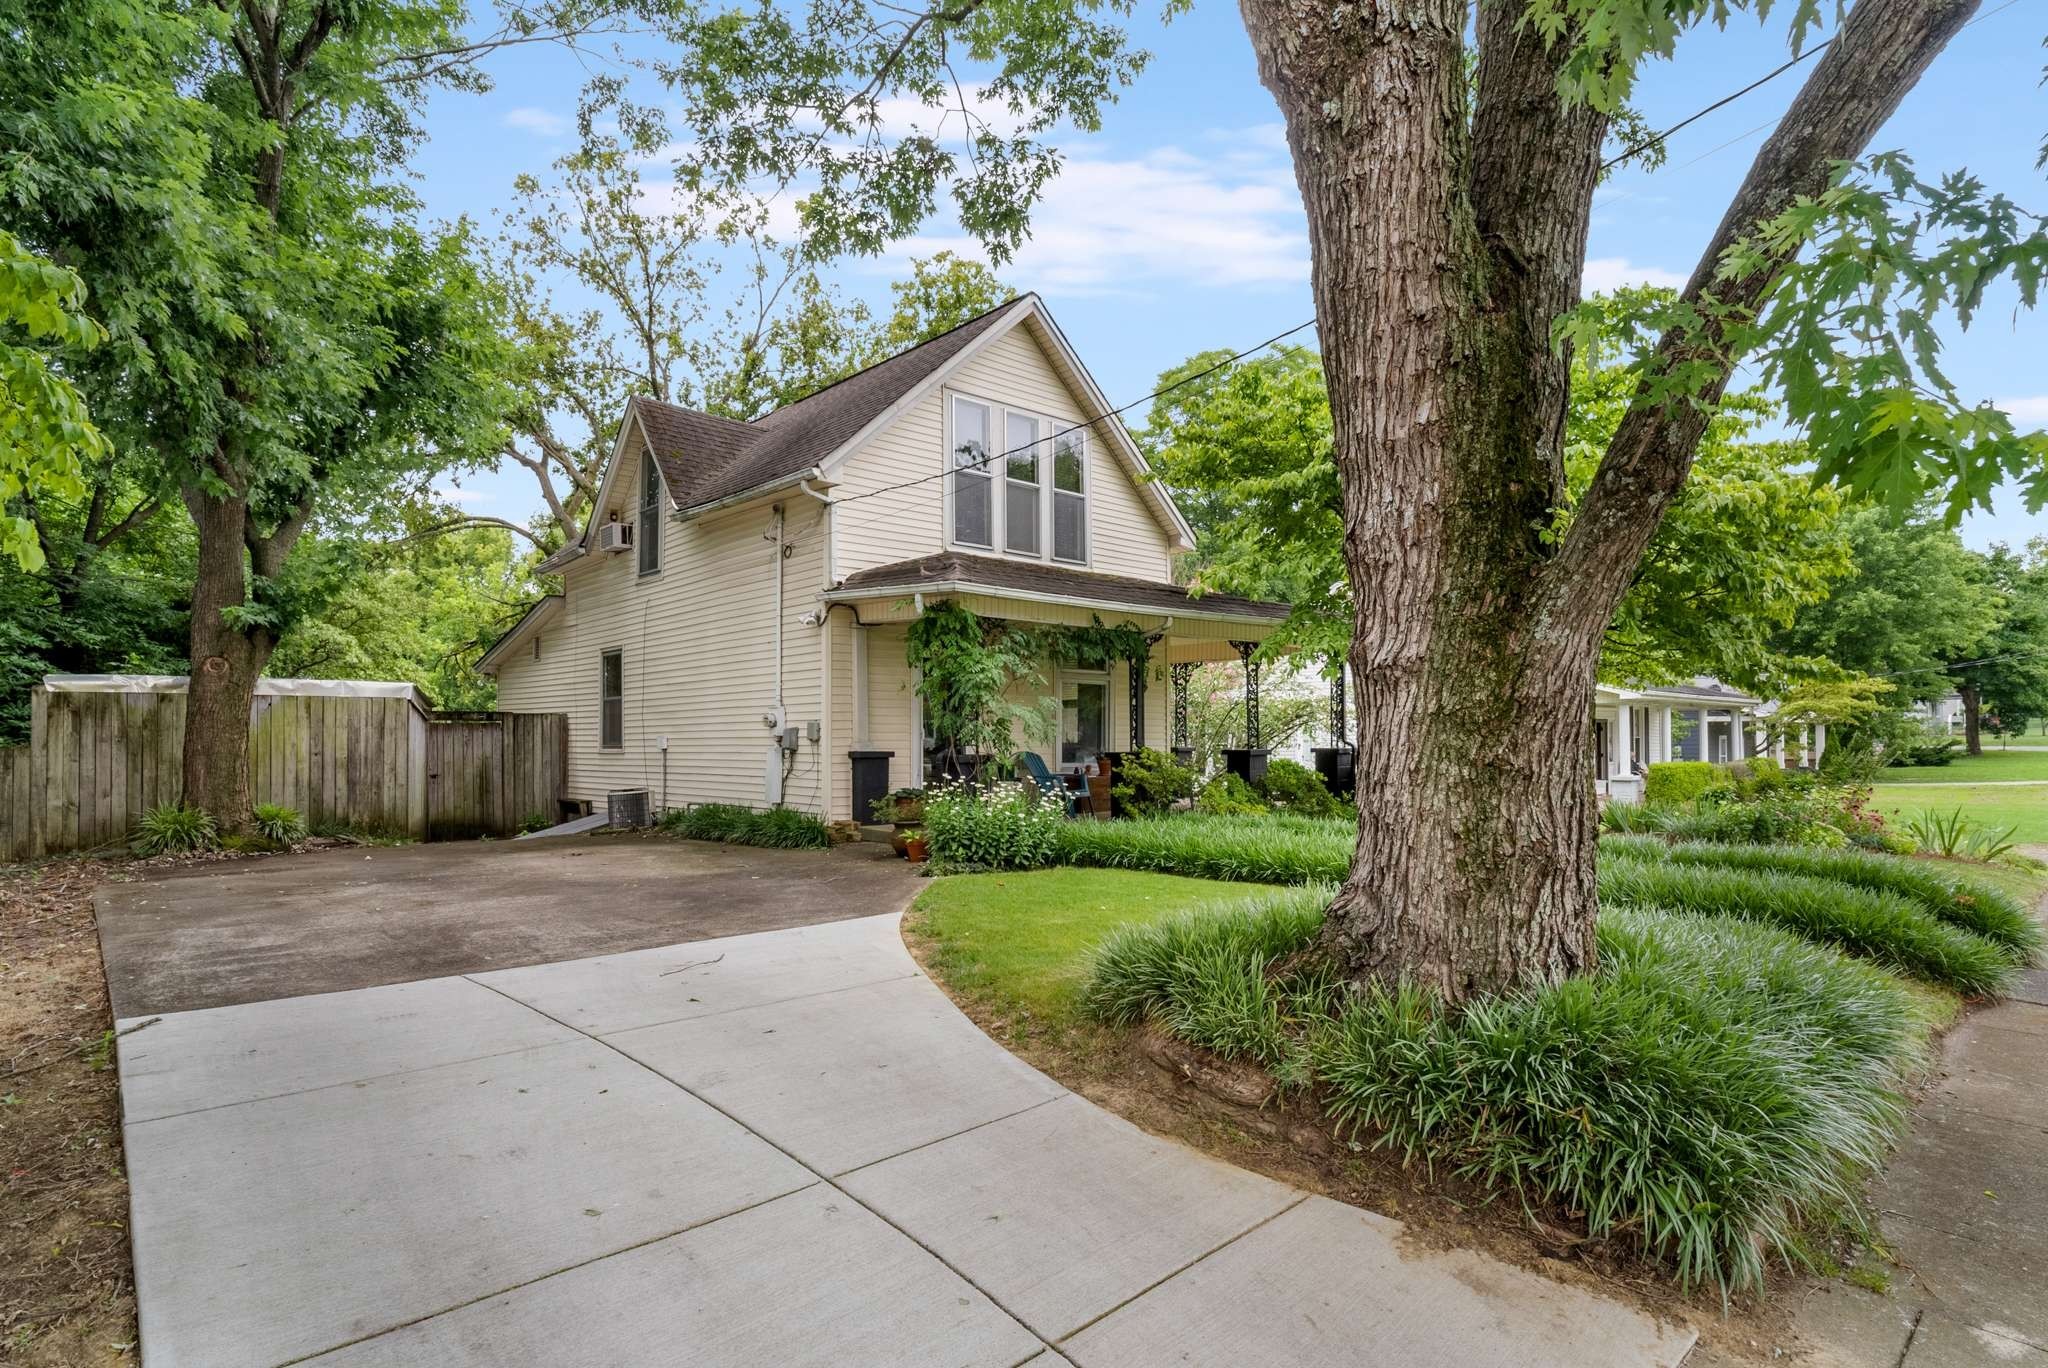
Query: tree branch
(467,522)
(1880,53)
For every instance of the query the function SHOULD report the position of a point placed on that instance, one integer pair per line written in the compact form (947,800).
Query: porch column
(1137,702)
(1251,692)
(1624,740)
(1820,742)
(1664,733)
(1181,674)
(1337,702)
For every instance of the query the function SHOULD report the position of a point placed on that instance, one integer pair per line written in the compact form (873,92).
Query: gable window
(647,536)
(1017,482)
(611,701)
(1021,512)
(973,481)
(1069,498)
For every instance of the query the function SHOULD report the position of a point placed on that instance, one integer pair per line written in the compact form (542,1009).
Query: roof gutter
(776,485)
(923,588)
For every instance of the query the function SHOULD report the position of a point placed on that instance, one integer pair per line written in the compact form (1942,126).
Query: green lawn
(2021,762)
(1022,942)
(2025,809)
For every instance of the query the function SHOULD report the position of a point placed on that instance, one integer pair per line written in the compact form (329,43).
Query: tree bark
(1443,249)
(1973,718)
(226,663)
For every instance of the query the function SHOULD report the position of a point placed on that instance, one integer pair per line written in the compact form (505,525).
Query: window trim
(996,419)
(1049,428)
(603,657)
(1040,458)
(1086,494)
(648,514)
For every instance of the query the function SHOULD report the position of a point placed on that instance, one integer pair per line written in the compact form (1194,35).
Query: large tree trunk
(1443,249)
(226,663)
(1973,719)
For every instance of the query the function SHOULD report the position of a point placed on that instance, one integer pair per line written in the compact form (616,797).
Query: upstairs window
(1017,482)
(1069,498)
(611,701)
(1022,513)
(647,536)
(973,481)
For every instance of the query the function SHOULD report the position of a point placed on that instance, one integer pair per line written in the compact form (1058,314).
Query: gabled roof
(953,572)
(537,615)
(705,459)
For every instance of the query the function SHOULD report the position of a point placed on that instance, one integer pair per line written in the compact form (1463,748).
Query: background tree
(1915,599)
(2005,676)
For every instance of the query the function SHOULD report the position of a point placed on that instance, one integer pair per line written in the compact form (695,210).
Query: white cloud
(2024,409)
(546,123)
(1107,225)
(1609,273)
(456,494)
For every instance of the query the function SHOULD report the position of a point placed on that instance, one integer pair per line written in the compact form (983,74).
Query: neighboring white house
(732,622)
(1944,714)
(1704,720)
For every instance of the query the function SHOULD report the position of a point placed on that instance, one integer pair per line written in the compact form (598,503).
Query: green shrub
(1150,782)
(1969,903)
(1682,781)
(1293,787)
(999,826)
(278,824)
(1263,849)
(174,829)
(733,824)
(1227,795)
(1875,923)
(1204,976)
(1637,817)
(1765,772)
(1714,1084)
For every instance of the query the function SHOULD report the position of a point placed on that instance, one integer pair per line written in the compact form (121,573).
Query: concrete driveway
(782,1148)
(246,931)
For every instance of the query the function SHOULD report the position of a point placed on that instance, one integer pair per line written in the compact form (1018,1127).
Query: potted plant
(903,809)
(916,845)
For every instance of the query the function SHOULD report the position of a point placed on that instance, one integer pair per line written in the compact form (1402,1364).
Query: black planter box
(1338,766)
(1248,765)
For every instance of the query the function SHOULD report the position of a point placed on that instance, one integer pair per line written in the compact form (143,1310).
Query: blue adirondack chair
(1032,767)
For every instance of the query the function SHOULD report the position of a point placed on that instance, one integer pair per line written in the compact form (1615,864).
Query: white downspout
(780,716)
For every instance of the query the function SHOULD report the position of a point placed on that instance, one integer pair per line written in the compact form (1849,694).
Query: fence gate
(489,774)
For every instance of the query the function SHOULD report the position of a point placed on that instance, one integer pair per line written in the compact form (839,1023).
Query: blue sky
(1178,227)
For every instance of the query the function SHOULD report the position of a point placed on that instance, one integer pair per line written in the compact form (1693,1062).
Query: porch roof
(1038,582)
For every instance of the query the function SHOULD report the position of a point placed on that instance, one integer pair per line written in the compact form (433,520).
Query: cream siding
(698,639)
(1125,536)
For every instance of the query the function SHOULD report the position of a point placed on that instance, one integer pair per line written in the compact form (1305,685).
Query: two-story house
(732,621)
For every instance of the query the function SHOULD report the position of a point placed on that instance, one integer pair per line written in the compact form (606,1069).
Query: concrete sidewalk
(1964,1209)
(784,1148)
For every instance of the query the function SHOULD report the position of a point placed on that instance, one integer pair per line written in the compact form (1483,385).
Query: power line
(1656,138)
(1963,664)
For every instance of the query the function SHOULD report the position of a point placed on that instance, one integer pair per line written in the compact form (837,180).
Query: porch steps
(871,832)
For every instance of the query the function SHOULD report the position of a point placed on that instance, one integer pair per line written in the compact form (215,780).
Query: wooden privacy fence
(103,750)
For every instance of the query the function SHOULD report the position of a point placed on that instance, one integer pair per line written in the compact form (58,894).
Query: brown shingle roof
(705,458)
(1058,581)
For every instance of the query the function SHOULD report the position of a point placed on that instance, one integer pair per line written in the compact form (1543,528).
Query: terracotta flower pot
(916,848)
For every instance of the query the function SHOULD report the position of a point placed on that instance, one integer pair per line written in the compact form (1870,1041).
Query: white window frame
(1049,428)
(647,512)
(604,654)
(996,418)
(1041,467)
(1052,498)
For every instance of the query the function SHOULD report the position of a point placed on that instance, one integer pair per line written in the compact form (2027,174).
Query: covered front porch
(1103,708)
